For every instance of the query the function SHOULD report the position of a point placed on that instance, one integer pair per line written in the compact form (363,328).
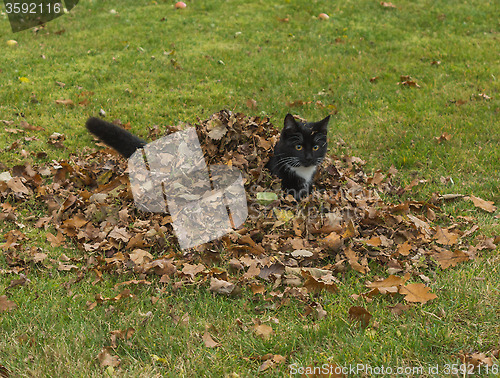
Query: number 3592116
(33,8)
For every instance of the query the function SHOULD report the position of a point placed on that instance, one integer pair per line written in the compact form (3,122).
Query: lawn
(412,86)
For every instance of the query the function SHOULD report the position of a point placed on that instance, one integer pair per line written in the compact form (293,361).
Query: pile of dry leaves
(285,249)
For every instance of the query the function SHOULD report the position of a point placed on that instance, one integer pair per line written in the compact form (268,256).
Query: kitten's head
(305,143)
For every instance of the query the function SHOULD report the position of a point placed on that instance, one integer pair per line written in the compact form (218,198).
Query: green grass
(109,58)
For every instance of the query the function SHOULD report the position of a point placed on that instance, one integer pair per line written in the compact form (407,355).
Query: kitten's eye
(298,147)
(316,148)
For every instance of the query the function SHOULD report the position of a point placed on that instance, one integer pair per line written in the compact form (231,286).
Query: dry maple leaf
(417,292)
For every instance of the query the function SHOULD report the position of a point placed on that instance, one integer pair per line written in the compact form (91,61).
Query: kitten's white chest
(306,173)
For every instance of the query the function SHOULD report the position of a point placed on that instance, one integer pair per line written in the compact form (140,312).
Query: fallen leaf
(417,292)
(221,286)
(360,314)
(66,102)
(106,359)
(386,4)
(209,341)
(488,206)
(264,331)
(6,304)
(446,258)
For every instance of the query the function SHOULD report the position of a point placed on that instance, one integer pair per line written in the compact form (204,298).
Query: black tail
(115,136)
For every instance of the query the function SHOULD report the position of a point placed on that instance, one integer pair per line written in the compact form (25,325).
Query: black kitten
(298,153)
(115,136)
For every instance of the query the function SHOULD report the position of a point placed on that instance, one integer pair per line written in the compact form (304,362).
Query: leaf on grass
(386,4)
(192,270)
(4,372)
(209,341)
(488,206)
(55,241)
(417,292)
(264,331)
(221,286)
(444,137)
(354,263)
(389,285)
(66,102)
(6,304)
(315,285)
(399,308)
(446,258)
(270,361)
(360,314)
(106,359)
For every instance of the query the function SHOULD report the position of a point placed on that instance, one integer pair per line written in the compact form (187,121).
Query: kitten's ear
(290,123)
(322,126)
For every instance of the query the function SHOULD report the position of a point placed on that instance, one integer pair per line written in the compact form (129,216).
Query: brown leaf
(6,304)
(270,361)
(192,270)
(386,4)
(360,314)
(417,292)
(252,271)
(140,256)
(106,359)
(315,285)
(405,248)
(399,308)
(445,237)
(221,286)
(389,285)
(446,258)
(218,132)
(55,241)
(444,137)
(251,103)
(333,241)
(16,185)
(66,102)
(209,341)
(263,330)
(353,261)
(488,206)
(120,234)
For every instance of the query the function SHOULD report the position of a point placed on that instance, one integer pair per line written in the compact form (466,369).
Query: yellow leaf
(23,79)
